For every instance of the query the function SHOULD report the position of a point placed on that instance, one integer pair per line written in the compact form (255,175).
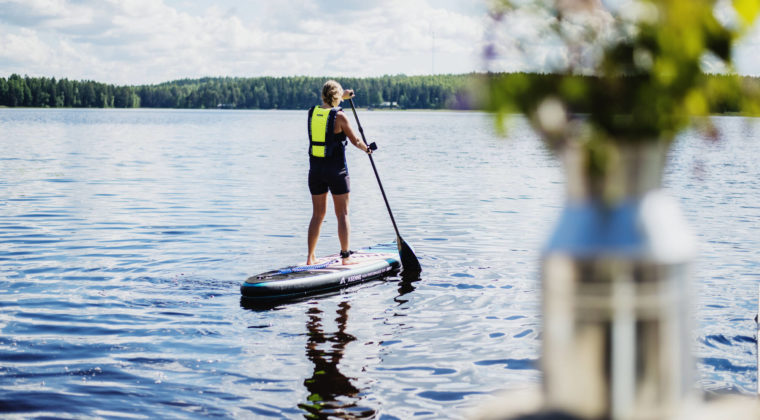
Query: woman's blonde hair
(332,92)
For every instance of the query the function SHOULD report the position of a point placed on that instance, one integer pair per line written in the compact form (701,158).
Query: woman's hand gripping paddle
(408,259)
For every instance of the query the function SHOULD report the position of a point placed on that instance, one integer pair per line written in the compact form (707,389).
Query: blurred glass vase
(615,277)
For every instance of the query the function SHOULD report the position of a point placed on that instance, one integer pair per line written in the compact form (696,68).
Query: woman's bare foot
(349,261)
(311,260)
(346,257)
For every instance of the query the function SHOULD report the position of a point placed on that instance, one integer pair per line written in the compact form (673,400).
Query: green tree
(88,97)
(3,92)
(376,97)
(261,97)
(28,98)
(15,91)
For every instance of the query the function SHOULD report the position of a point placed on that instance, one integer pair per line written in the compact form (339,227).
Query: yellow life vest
(322,139)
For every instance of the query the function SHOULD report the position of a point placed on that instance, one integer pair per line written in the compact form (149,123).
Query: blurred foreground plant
(616,269)
(633,70)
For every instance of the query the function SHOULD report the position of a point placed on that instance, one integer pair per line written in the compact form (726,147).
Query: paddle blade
(408,260)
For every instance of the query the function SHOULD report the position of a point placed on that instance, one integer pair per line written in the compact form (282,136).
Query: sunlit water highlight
(124,236)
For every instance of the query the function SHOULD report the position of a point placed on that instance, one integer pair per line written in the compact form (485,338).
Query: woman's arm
(342,124)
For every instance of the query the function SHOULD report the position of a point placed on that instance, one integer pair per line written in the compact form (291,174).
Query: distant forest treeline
(411,92)
(425,92)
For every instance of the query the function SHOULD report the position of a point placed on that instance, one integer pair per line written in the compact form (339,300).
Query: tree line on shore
(297,92)
(418,92)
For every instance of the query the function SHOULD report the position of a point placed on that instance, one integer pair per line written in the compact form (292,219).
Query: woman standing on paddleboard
(328,129)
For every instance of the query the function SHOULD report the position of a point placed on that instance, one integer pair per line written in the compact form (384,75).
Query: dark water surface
(124,237)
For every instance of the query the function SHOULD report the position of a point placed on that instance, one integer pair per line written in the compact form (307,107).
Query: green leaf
(747,9)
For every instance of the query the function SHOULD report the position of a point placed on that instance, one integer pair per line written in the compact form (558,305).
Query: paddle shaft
(372,161)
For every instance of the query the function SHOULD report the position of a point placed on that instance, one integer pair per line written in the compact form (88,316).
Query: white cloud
(146,41)
(23,47)
(521,41)
(150,41)
(46,13)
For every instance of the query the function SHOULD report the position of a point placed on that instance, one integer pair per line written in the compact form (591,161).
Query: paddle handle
(372,161)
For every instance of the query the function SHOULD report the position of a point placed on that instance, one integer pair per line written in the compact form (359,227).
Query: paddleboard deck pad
(327,274)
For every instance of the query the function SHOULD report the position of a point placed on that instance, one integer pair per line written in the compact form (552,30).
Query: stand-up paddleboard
(327,274)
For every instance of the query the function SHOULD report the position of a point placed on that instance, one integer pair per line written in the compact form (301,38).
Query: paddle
(408,259)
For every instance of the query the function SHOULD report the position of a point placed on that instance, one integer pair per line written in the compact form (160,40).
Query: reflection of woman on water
(331,394)
(328,129)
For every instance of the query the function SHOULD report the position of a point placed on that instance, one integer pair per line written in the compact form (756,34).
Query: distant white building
(387,104)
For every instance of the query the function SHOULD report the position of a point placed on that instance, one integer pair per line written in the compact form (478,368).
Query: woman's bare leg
(340,203)
(319,208)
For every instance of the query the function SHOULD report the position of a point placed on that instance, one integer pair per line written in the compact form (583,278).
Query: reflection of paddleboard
(328,274)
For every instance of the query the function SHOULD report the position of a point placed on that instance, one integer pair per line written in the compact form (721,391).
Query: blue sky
(151,41)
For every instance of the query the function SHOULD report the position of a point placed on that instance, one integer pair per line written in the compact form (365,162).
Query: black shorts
(322,179)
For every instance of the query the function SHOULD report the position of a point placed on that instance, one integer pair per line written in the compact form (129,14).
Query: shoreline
(365,109)
(368,109)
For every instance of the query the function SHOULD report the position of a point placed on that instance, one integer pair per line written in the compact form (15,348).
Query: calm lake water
(125,235)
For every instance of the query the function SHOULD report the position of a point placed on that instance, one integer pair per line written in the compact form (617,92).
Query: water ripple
(124,236)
